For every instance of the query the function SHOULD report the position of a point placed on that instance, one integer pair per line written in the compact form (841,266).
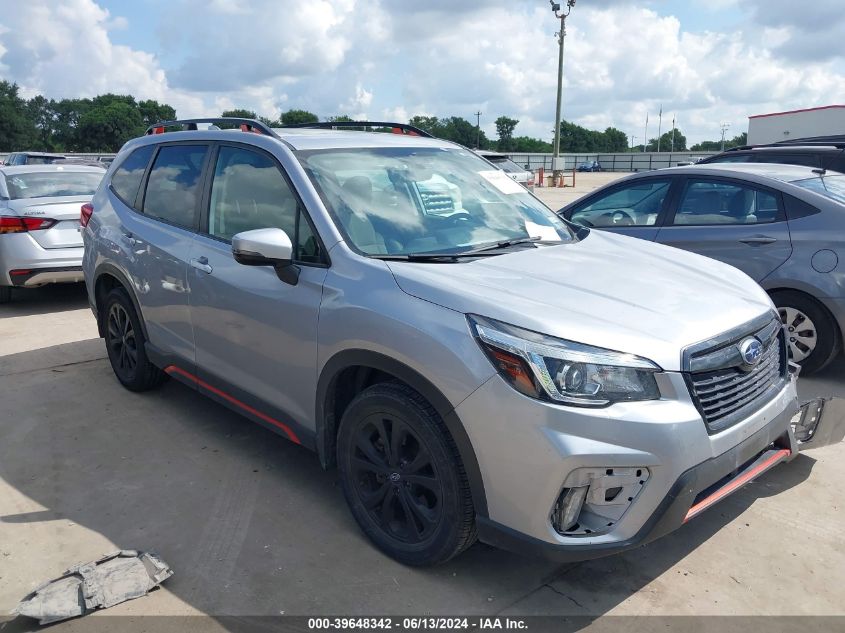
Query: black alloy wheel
(395,479)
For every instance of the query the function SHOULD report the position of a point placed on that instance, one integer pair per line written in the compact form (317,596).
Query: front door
(256,336)
(736,222)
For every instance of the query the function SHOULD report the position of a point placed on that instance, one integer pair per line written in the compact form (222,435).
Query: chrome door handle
(201,263)
(758,240)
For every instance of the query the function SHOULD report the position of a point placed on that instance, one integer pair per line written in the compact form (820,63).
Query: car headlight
(564,371)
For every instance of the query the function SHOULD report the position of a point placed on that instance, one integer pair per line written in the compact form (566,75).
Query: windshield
(832,187)
(412,200)
(54,183)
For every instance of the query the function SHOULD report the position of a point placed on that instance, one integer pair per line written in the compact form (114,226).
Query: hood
(606,290)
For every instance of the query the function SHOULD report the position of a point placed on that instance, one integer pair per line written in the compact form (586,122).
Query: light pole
(724,127)
(478,129)
(556,166)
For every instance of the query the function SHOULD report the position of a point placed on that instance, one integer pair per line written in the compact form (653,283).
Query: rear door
(256,335)
(636,207)
(736,222)
(159,239)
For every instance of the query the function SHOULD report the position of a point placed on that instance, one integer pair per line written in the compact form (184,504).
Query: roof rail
(246,125)
(396,128)
(830,139)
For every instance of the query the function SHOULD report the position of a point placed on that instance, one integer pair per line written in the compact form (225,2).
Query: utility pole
(561,35)
(659,124)
(478,130)
(672,142)
(633,138)
(645,134)
(724,127)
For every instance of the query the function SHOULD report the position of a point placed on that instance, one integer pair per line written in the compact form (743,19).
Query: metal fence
(623,161)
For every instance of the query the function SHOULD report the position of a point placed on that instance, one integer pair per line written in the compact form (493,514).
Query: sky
(705,62)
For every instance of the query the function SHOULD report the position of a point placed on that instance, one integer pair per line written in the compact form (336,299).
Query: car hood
(606,290)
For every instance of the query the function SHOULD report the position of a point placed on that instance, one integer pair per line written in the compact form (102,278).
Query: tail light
(15,224)
(85,214)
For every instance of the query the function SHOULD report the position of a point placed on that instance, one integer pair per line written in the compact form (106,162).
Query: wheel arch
(357,363)
(107,278)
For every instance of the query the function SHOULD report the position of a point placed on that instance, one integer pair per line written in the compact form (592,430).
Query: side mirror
(266,247)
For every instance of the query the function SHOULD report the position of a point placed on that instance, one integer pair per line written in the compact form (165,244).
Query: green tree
(154,112)
(680,144)
(240,113)
(459,130)
(17,129)
(428,124)
(615,140)
(531,145)
(340,118)
(40,111)
(716,146)
(68,112)
(293,117)
(504,130)
(105,128)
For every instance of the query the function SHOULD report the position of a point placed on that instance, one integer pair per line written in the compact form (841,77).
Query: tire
(812,335)
(403,478)
(5,294)
(125,344)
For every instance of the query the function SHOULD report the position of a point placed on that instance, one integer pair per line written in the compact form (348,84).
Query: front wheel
(811,333)
(403,478)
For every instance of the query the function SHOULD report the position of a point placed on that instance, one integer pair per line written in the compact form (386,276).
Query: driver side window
(636,204)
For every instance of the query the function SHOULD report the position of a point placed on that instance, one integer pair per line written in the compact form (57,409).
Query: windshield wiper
(484,250)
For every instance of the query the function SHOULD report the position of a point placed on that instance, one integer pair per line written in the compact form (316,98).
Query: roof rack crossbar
(397,128)
(246,125)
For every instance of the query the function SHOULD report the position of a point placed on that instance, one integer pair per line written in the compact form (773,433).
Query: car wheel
(125,344)
(5,294)
(403,478)
(811,333)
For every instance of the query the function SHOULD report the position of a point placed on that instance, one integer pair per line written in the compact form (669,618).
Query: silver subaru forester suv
(474,366)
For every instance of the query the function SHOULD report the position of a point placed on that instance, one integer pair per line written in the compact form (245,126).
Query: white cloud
(439,57)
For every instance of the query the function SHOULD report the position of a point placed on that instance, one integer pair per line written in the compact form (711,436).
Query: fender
(327,425)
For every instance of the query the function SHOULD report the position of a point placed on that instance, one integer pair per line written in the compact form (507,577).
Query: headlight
(563,371)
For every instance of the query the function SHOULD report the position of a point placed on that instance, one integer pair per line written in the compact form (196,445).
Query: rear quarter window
(126,180)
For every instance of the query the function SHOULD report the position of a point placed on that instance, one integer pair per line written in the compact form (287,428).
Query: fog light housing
(568,508)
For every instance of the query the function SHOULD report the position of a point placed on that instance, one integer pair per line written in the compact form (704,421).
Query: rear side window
(808,160)
(730,158)
(126,180)
(707,202)
(173,186)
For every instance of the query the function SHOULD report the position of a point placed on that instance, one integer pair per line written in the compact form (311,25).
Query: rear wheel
(125,344)
(403,478)
(5,294)
(811,333)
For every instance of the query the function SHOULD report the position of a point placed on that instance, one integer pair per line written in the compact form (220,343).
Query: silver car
(474,367)
(39,223)
(780,224)
(522,175)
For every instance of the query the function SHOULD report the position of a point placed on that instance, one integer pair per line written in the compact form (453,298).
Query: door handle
(759,240)
(201,263)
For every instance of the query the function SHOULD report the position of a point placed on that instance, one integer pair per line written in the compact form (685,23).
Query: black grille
(726,395)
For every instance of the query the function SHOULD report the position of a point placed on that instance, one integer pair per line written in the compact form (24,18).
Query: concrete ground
(252,525)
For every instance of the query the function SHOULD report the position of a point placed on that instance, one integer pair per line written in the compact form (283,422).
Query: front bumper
(34,265)
(694,491)
(526,449)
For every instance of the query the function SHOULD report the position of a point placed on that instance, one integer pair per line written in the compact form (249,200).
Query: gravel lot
(252,525)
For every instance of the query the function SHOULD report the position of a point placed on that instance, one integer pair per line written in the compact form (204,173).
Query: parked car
(476,368)
(590,165)
(32,158)
(820,152)
(783,225)
(523,175)
(39,223)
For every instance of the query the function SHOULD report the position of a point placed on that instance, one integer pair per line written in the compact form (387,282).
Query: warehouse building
(783,126)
